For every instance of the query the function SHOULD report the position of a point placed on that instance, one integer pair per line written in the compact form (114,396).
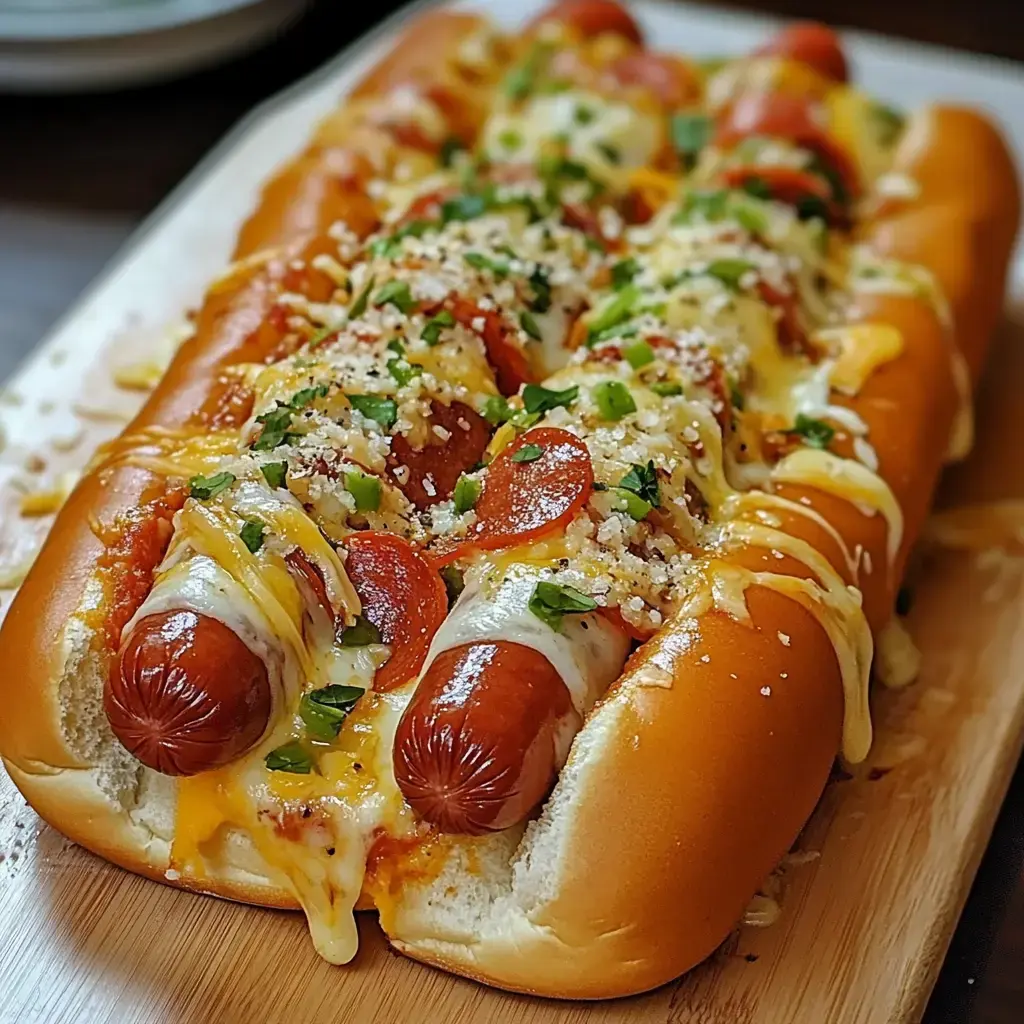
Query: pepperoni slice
(581,217)
(593,18)
(785,116)
(402,595)
(810,43)
(435,468)
(671,80)
(310,573)
(524,499)
(427,206)
(511,368)
(789,185)
(792,336)
(411,135)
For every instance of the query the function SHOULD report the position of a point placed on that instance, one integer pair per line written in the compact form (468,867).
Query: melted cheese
(606,127)
(846,479)
(588,653)
(961,436)
(863,348)
(286,518)
(210,531)
(319,858)
(897,660)
(836,606)
(199,584)
(171,453)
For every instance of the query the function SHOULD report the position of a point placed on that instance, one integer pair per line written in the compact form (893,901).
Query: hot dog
(522,512)
(484,736)
(187,695)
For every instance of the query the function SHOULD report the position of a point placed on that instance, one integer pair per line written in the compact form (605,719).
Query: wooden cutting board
(868,904)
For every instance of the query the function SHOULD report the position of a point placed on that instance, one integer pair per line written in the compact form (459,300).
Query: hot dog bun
(688,781)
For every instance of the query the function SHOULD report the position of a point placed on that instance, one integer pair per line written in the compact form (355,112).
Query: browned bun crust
(662,852)
(963,222)
(688,782)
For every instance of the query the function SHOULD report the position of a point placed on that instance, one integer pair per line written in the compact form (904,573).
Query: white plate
(49,45)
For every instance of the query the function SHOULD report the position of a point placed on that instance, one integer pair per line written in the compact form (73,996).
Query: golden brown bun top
(963,223)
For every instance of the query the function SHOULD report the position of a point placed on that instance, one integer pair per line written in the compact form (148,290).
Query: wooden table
(77,173)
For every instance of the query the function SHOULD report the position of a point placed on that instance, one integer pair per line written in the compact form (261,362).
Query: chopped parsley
(323,711)
(690,133)
(614,312)
(365,490)
(530,325)
(276,424)
(613,399)
(307,396)
(203,488)
(551,602)
(321,336)
(252,534)
(816,433)
(479,261)
(464,207)
(496,410)
(643,482)
(528,453)
(358,307)
(709,205)
(433,327)
(623,272)
(391,246)
(397,294)
(381,410)
(466,494)
(541,290)
(540,399)
(522,80)
(275,473)
(292,757)
(361,633)
(403,371)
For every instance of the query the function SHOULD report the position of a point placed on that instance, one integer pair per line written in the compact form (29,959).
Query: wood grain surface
(868,907)
(865,922)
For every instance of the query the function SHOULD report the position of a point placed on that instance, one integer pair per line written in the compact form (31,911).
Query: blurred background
(105,105)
